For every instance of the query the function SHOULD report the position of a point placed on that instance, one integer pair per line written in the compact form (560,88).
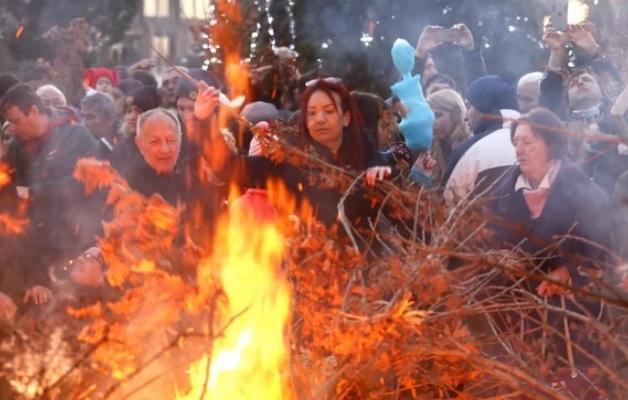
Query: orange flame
(5,178)
(19,31)
(250,359)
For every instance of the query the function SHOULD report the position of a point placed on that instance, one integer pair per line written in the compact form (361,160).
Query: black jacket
(124,156)
(184,188)
(575,207)
(308,185)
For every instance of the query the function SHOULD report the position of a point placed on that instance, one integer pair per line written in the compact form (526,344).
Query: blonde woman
(449,130)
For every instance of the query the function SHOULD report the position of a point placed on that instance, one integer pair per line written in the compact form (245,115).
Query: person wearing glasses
(332,127)
(88,268)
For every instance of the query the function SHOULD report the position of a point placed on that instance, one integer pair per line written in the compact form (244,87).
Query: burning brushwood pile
(317,267)
(286,309)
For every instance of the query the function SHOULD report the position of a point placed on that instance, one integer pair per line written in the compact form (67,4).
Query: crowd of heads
(489,123)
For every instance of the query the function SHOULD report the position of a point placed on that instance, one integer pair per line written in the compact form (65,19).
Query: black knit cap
(188,90)
(128,86)
(145,98)
(492,93)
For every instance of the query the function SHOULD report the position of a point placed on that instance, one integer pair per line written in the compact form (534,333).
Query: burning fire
(5,177)
(19,31)
(250,359)
(578,12)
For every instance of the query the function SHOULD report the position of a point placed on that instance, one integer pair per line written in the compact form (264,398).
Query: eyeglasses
(87,257)
(330,79)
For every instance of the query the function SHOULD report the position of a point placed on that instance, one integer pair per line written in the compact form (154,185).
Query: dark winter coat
(308,184)
(63,220)
(61,214)
(124,156)
(201,201)
(575,206)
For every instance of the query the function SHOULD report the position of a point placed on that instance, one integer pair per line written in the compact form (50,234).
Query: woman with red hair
(332,128)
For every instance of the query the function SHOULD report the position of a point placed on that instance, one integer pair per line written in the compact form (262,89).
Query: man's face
(87,269)
(95,122)
(527,96)
(584,91)
(52,98)
(473,117)
(170,87)
(24,125)
(159,143)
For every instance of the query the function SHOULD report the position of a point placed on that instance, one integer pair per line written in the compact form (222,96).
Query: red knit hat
(93,74)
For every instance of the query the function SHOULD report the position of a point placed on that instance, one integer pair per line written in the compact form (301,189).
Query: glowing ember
(19,31)
(249,360)
(5,178)
(578,12)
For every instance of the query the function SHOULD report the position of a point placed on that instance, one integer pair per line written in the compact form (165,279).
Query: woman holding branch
(331,128)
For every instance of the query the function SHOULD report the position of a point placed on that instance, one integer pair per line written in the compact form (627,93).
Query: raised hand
(427,41)
(583,39)
(466,37)
(205,101)
(555,40)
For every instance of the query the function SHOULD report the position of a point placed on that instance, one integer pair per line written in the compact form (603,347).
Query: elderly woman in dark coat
(550,209)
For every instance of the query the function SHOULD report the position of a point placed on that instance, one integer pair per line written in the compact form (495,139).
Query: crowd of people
(546,157)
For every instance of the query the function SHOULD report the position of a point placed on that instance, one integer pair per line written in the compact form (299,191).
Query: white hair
(52,88)
(141,120)
(532,77)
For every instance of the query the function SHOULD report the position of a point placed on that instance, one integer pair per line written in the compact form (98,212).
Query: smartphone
(447,35)
(559,14)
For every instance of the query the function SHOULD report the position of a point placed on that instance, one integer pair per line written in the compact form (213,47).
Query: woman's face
(444,124)
(532,152)
(103,85)
(119,99)
(326,120)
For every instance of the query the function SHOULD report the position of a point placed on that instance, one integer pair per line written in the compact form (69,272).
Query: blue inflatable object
(417,125)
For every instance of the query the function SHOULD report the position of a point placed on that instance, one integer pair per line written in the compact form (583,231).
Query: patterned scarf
(589,116)
(536,198)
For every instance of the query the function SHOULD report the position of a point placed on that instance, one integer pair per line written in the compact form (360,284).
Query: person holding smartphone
(459,35)
(577,96)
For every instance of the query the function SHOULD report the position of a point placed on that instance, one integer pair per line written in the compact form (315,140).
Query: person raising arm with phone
(459,35)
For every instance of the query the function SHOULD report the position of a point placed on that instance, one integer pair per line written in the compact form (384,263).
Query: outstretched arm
(252,172)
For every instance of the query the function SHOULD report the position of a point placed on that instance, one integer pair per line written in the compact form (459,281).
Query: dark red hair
(352,152)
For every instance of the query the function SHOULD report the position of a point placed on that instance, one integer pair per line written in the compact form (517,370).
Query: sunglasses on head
(330,79)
